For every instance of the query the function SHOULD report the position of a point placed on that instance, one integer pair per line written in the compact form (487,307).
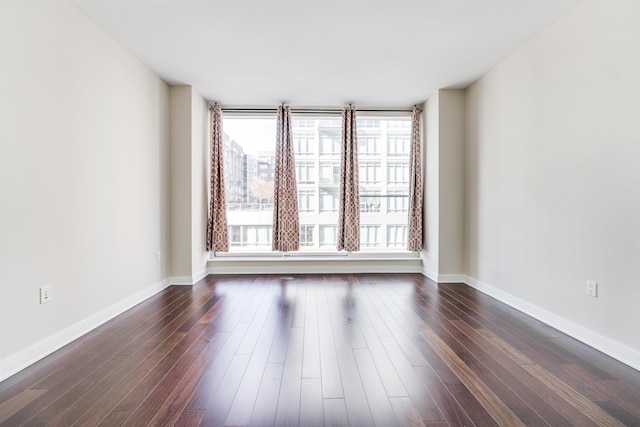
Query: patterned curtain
(349,207)
(414,231)
(286,224)
(217,231)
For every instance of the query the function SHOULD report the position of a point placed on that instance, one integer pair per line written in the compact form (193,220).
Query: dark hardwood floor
(323,350)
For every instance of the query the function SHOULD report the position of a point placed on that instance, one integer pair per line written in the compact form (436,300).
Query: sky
(253,134)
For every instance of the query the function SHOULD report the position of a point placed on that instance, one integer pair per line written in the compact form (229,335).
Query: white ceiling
(383,53)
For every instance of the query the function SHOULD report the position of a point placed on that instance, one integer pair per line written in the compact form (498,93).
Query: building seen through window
(383,156)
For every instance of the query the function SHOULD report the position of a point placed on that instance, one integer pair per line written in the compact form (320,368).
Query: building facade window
(304,143)
(328,200)
(306,172)
(370,236)
(306,235)
(397,201)
(330,172)
(306,200)
(328,236)
(396,236)
(368,144)
(250,236)
(370,201)
(398,144)
(329,143)
(398,173)
(369,173)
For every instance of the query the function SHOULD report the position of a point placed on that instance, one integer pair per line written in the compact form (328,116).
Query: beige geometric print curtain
(414,231)
(217,231)
(349,204)
(286,224)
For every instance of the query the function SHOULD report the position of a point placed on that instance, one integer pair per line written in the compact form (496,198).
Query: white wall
(84,178)
(443,255)
(553,176)
(451,179)
(199,184)
(431,185)
(180,125)
(189,133)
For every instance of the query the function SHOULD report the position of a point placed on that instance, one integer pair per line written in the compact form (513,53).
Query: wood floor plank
(214,373)
(19,401)
(264,410)
(406,414)
(358,409)
(311,354)
(388,374)
(489,367)
(288,411)
(496,407)
(627,401)
(311,411)
(189,418)
(218,408)
(379,404)
(175,404)
(335,413)
(332,350)
(329,368)
(245,399)
(148,351)
(596,414)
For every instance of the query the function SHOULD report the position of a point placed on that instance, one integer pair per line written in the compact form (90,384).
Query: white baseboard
(188,280)
(30,355)
(199,276)
(609,347)
(181,280)
(430,274)
(444,278)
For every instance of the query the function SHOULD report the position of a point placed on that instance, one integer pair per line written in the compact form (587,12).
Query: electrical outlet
(45,294)
(158,256)
(592,288)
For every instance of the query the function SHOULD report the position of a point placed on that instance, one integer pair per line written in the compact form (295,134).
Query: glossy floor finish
(335,350)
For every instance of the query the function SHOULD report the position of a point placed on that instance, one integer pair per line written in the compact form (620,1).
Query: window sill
(316,256)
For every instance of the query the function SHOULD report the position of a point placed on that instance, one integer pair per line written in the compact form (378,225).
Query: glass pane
(249,159)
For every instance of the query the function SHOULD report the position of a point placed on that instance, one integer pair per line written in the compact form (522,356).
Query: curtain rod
(311,110)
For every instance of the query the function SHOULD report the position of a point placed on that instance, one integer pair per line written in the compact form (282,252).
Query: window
(302,123)
(398,173)
(398,143)
(329,200)
(304,143)
(330,173)
(306,200)
(369,173)
(368,144)
(306,172)
(367,124)
(330,142)
(369,201)
(397,202)
(250,236)
(328,236)
(248,170)
(383,172)
(370,236)
(397,236)
(306,235)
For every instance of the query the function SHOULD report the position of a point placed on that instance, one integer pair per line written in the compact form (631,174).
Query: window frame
(372,125)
